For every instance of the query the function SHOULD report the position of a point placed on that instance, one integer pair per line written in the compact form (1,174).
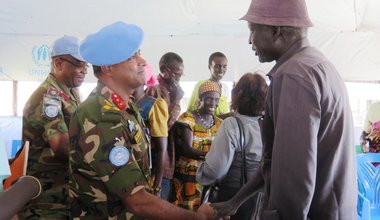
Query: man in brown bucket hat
(308,166)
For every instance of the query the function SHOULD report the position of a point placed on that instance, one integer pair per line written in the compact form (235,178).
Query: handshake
(216,211)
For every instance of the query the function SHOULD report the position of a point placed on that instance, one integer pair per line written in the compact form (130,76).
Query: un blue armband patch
(119,156)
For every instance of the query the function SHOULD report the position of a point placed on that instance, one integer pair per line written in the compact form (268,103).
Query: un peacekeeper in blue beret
(109,170)
(45,122)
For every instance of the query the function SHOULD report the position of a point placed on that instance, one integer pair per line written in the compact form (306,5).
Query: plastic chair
(18,166)
(368,207)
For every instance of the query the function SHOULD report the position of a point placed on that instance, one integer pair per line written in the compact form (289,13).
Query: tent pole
(14,104)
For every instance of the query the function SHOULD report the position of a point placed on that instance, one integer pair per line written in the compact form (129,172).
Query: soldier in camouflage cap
(109,166)
(46,120)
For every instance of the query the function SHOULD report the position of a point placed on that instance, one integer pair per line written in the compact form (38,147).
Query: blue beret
(112,44)
(66,45)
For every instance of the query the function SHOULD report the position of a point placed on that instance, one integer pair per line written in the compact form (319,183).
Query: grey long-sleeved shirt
(223,161)
(309,152)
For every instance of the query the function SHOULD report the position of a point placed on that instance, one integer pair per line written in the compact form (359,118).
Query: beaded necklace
(207,125)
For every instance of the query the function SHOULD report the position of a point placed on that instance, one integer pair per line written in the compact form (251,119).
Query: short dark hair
(215,55)
(167,58)
(97,70)
(289,31)
(249,95)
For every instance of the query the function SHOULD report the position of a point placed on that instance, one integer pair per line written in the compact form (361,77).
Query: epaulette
(54,92)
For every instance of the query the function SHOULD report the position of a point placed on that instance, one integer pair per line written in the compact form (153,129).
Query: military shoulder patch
(51,106)
(51,111)
(119,156)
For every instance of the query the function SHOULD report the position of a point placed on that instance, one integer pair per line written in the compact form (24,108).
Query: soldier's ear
(57,63)
(106,69)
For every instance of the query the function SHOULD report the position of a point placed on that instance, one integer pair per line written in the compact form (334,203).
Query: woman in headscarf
(224,162)
(193,135)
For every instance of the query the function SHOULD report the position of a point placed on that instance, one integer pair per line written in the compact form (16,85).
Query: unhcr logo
(41,55)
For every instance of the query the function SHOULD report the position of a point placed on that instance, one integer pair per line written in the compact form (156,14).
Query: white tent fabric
(346,31)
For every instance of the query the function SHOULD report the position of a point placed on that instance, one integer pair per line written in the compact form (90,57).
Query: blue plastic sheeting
(11,131)
(368,186)
(4,166)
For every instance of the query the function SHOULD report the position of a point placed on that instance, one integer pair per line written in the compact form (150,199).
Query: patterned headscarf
(209,86)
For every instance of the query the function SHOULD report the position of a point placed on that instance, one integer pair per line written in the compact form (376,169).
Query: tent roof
(347,31)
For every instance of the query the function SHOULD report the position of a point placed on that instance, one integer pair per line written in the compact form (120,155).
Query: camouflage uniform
(99,179)
(47,113)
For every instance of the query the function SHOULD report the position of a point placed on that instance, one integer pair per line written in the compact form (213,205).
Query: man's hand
(158,194)
(209,213)
(206,211)
(223,209)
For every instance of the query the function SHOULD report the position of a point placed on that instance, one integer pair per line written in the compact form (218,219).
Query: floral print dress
(187,190)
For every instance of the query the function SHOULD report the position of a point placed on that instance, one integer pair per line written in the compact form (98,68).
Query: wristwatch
(156,189)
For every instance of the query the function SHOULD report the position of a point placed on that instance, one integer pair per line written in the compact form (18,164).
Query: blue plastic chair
(368,186)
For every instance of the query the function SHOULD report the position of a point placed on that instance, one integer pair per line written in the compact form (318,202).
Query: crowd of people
(282,151)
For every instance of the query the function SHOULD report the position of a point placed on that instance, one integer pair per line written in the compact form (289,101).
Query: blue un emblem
(41,55)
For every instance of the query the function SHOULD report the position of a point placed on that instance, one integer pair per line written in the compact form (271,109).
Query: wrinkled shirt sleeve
(294,162)
(158,119)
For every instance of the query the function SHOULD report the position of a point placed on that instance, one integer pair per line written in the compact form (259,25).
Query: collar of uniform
(64,91)
(297,46)
(112,96)
(118,101)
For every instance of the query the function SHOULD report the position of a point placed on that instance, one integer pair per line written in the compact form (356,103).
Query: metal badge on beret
(119,156)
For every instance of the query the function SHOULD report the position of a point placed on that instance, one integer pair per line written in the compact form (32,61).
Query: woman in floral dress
(193,135)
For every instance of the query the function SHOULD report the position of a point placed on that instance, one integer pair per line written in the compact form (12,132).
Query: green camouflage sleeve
(43,110)
(55,127)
